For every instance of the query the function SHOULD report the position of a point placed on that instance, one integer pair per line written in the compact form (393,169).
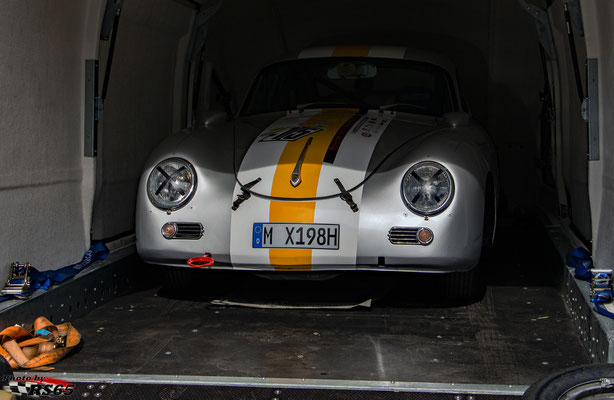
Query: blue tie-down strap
(44,279)
(601,297)
(580,260)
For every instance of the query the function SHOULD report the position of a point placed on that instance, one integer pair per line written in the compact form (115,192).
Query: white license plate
(295,236)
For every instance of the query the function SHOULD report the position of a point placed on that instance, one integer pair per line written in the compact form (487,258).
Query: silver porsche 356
(347,158)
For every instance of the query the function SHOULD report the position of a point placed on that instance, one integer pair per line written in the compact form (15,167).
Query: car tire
(180,280)
(465,286)
(585,381)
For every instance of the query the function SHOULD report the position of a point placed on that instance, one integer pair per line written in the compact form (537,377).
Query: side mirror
(456,119)
(211,118)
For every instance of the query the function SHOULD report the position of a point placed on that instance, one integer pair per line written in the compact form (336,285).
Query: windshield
(360,82)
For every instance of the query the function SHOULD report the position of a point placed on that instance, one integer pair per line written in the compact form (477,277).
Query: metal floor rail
(132,386)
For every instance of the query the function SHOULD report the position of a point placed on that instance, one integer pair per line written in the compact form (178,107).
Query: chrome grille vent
(189,230)
(403,235)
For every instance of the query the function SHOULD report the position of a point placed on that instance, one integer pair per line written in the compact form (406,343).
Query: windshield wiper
(401,105)
(318,104)
(346,196)
(241,197)
(347,94)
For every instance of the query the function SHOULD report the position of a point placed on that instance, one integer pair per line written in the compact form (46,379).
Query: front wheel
(465,286)
(584,382)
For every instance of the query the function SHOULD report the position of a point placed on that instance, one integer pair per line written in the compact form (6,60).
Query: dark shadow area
(523,254)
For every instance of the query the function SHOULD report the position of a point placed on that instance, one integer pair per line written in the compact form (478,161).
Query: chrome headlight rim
(187,198)
(444,205)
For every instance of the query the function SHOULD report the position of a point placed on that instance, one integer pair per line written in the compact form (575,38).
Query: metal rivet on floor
(86,394)
(194,330)
(97,395)
(545,363)
(539,339)
(90,387)
(277,392)
(168,353)
(102,387)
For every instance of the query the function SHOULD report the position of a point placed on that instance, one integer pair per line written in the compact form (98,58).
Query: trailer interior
(88,90)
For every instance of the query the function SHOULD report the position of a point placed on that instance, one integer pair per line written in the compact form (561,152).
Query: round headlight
(171,184)
(427,188)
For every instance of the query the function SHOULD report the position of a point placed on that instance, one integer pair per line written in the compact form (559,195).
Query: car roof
(397,52)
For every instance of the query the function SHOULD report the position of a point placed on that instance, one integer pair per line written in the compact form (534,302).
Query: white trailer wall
(598,18)
(46,185)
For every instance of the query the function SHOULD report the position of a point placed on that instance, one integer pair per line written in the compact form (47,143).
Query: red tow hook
(199,262)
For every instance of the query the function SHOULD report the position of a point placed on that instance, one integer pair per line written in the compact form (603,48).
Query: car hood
(319,153)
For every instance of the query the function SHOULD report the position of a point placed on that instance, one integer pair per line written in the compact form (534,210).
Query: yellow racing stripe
(351,51)
(302,212)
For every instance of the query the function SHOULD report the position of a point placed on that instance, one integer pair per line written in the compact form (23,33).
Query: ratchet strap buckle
(601,285)
(60,342)
(18,282)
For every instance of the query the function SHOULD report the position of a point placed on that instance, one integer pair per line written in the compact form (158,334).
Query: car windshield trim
(352,99)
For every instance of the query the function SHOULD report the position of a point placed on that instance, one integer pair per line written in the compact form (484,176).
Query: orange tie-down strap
(23,349)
